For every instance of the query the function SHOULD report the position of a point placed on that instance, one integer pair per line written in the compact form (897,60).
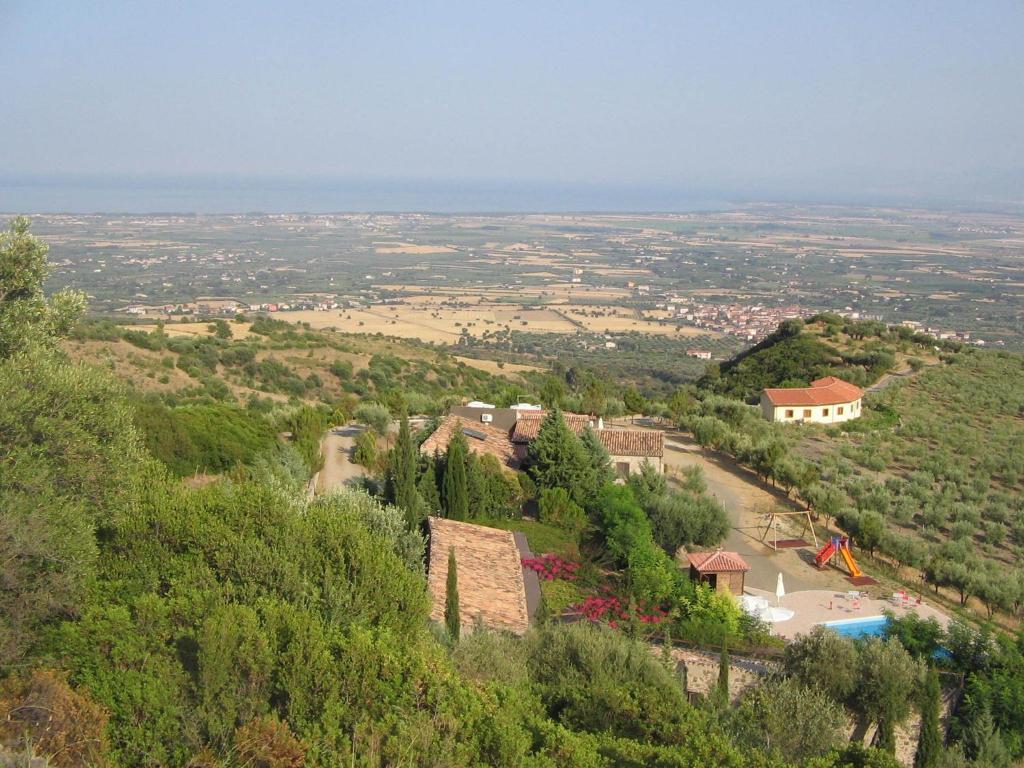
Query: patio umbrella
(780,590)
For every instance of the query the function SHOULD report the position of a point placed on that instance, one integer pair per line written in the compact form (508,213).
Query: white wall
(635,462)
(818,415)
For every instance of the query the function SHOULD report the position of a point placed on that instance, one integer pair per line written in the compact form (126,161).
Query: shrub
(557,508)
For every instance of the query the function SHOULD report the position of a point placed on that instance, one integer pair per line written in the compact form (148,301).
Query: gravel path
(337,447)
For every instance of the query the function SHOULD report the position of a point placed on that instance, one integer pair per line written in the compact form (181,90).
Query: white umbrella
(780,590)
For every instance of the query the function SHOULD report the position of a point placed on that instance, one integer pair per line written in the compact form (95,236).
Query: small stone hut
(722,571)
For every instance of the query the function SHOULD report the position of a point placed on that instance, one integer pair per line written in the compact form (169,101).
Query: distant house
(826,401)
(506,433)
(722,571)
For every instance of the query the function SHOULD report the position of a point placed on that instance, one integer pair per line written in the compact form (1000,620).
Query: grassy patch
(560,594)
(543,538)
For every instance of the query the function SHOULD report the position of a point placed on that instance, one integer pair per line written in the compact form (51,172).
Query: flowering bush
(550,567)
(612,609)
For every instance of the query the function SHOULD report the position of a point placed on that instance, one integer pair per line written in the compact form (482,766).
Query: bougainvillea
(612,609)
(550,567)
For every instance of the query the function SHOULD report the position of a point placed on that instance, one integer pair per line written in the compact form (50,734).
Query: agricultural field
(956,271)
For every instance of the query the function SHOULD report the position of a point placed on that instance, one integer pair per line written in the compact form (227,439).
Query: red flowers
(550,567)
(612,608)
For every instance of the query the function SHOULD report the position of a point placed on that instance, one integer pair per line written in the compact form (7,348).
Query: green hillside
(799,352)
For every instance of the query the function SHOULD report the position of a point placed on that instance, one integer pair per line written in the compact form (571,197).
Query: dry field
(624,321)
(410,248)
(171,328)
(493,367)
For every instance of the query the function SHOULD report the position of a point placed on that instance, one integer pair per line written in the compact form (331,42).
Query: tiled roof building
(826,401)
(482,439)
(490,575)
(723,571)
(627,448)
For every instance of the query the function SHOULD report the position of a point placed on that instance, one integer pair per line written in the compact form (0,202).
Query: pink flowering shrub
(551,567)
(613,610)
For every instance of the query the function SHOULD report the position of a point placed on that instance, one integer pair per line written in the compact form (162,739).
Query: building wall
(815,414)
(635,462)
(731,582)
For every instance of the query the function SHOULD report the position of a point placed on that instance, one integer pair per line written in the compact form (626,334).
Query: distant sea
(211,195)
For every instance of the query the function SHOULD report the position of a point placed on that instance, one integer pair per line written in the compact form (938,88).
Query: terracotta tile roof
(528,425)
(633,442)
(717,562)
(618,442)
(494,441)
(826,391)
(491,587)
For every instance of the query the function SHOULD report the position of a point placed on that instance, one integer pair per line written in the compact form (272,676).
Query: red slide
(825,553)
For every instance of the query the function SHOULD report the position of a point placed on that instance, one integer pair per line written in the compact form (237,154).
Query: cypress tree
(929,743)
(455,491)
(885,736)
(476,487)
(403,476)
(722,688)
(451,598)
(427,485)
(600,461)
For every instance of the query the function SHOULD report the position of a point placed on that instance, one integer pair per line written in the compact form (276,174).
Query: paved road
(337,447)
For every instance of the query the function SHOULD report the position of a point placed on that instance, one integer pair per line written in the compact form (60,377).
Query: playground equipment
(769,524)
(840,544)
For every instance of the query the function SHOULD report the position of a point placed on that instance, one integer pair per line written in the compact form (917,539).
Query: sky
(743,99)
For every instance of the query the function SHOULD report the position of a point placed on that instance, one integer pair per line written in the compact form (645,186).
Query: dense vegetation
(144,622)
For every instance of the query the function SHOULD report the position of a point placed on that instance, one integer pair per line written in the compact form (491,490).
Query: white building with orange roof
(826,401)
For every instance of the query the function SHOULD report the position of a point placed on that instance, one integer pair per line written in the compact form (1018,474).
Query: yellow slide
(850,562)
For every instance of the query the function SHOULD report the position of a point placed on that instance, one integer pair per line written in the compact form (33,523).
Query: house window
(622,468)
(789,413)
(824,411)
(807,413)
(839,410)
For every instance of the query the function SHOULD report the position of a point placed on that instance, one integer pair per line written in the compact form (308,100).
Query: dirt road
(746,499)
(337,447)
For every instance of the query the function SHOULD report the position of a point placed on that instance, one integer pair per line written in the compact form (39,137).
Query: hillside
(929,478)
(150,622)
(209,397)
(940,456)
(799,352)
(271,359)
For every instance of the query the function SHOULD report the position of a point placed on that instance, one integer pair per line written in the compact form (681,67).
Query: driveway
(337,447)
(746,499)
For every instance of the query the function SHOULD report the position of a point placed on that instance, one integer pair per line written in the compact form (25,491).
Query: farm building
(723,571)
(826,401)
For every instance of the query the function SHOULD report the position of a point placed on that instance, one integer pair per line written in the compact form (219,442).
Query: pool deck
(816,606)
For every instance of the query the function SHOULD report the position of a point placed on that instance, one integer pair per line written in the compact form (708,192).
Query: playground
(776,536)
(852,612)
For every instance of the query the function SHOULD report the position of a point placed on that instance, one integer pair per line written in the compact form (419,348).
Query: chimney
(600,422)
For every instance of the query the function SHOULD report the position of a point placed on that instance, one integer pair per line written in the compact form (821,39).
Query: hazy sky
(717,95)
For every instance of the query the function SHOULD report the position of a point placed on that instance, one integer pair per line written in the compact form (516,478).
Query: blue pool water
(869,625)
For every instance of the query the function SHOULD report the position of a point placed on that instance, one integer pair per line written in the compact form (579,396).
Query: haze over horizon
(484,106)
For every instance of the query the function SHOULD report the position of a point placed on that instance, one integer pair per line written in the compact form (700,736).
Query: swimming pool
(869,625)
